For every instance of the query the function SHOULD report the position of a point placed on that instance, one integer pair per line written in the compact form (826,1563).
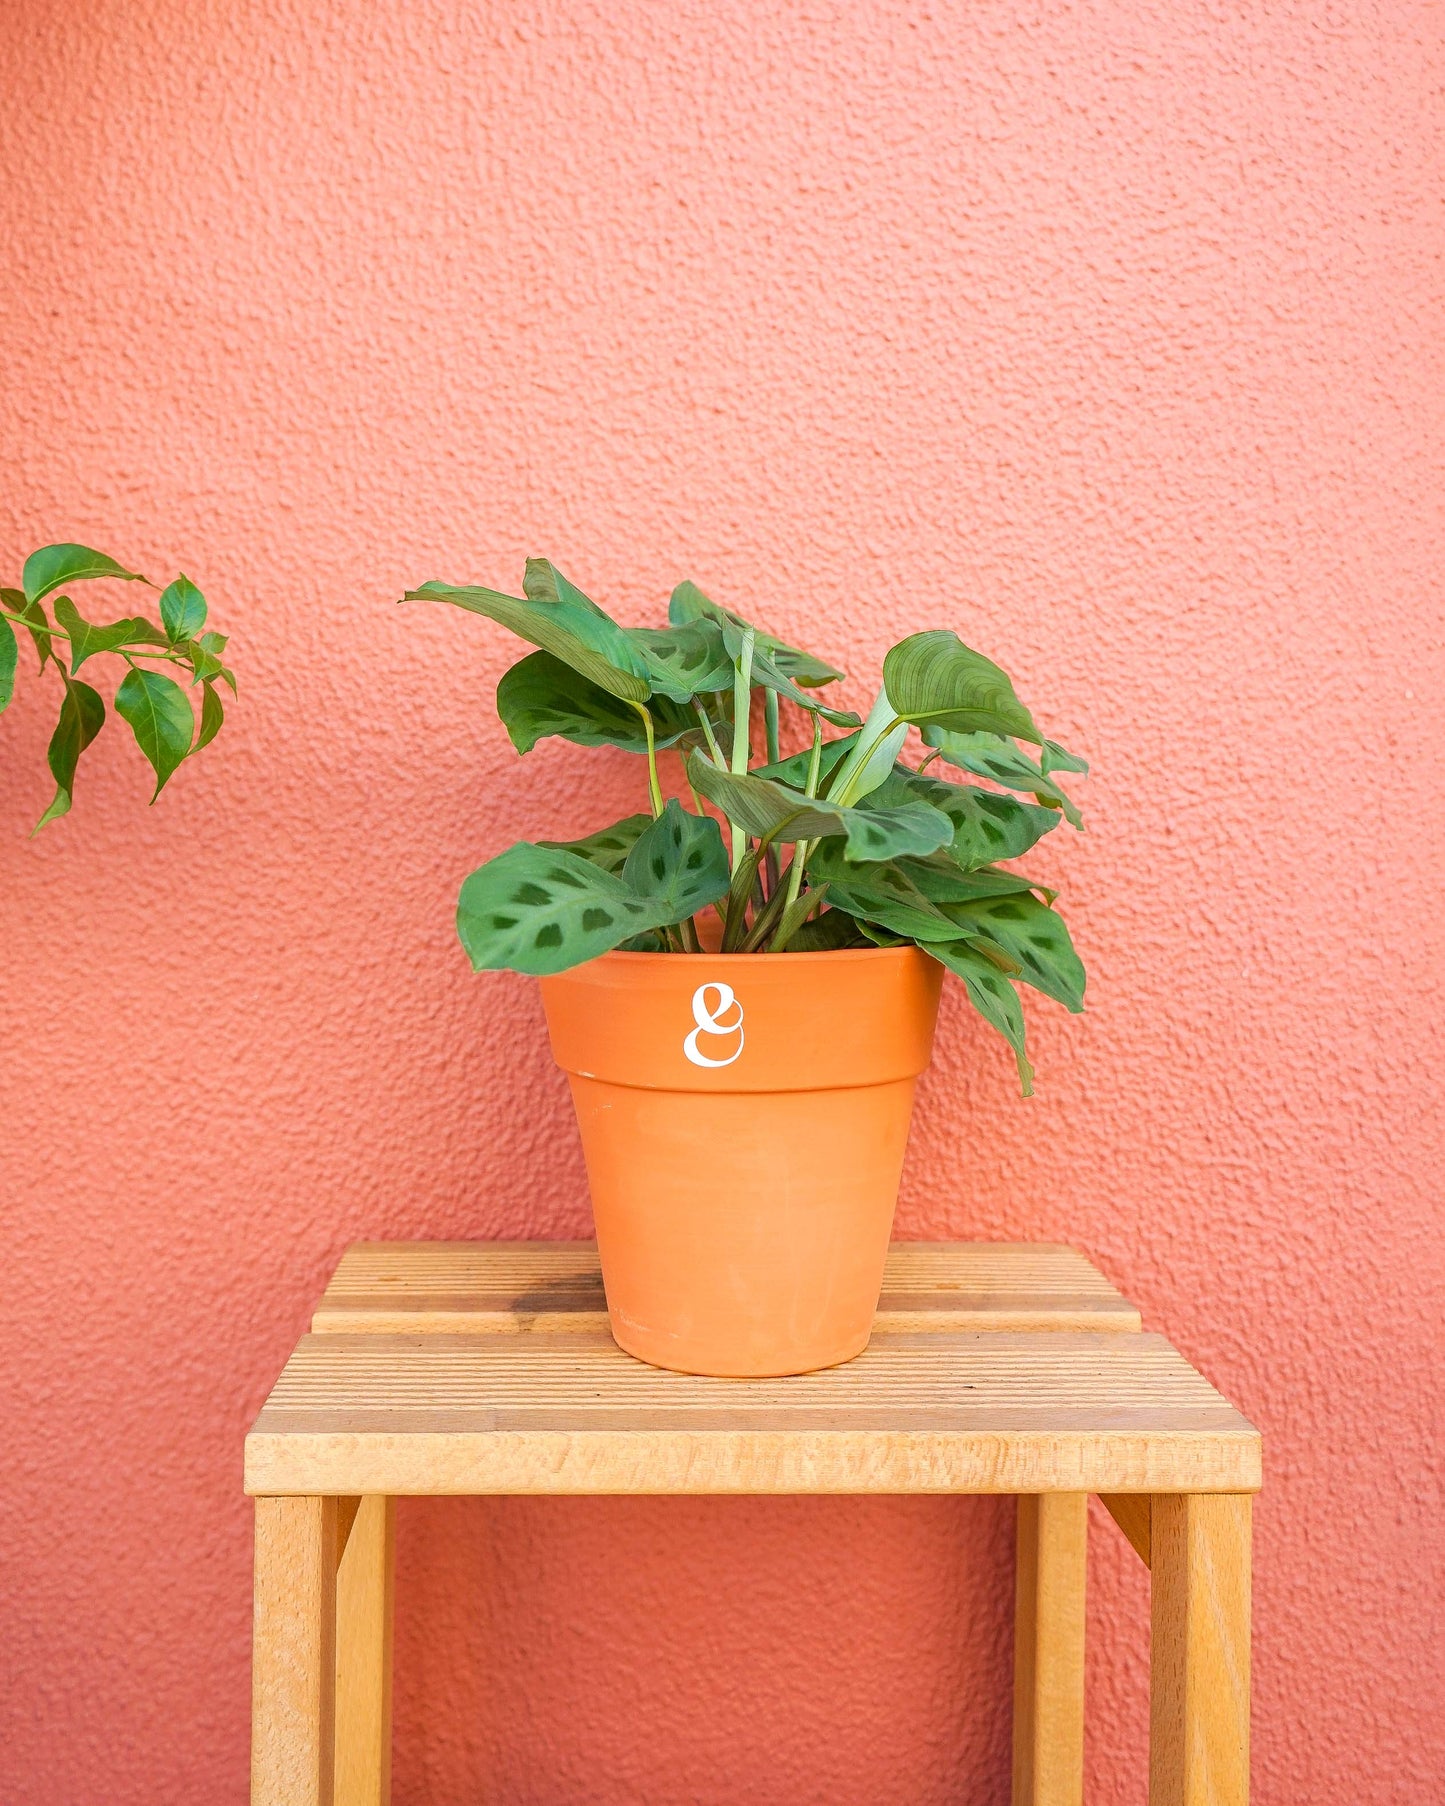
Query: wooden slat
(364,1583)
(1048,1731)
(293,1661)
(1199,1652)
(526,1287)
(934,1412)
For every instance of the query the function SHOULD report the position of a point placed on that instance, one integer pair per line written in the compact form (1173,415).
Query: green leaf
(608,847)
(160,718)
(82,714)
(992,996)
(86,638)
(9,658)
(686,660)
(679,862)
(651,940)
(204,663)
(872,754)
(793,771)
(212,715)
(933,678)
(775,813)
(827,933)
(882,893)
(37,622)
(1034,935)
(542,696)
(792,918)
(1058,758)
(942,882)
(540,910)
(183,609)
(767,674)
(986,826)
(690,604)
(986,756)
(556,616)
(214,643)
(53,566)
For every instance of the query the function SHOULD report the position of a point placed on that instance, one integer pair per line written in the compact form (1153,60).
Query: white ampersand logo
(710,1022)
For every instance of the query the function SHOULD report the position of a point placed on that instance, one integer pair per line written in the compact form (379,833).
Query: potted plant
(742,1018)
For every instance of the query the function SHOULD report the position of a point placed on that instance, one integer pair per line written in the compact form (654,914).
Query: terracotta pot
(743,1119)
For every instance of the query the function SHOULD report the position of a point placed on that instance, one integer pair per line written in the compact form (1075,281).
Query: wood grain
(931,1412)
(293,1662)
(364,1583)
(553,1288)
(1048,1729)
(1199,1661)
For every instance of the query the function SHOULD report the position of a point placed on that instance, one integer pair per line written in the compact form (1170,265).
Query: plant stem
(654,788)
(770,732)
(800,851)
(742,751)
(711,737)
(928,759)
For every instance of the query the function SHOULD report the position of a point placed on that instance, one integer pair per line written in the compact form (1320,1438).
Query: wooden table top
(525,1287)
(530,1395)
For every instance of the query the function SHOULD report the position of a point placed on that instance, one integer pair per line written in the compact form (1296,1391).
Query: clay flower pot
(744,1118)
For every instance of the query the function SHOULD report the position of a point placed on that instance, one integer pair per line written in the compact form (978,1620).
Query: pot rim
(824,956)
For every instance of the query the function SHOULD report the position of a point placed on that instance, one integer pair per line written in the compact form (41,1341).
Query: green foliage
(183,609)
(987,756)
(608,847)
(159,717)
(53,566)
(156,707)
(9,658)
(679,863)
(986,826)
(541,696)
(841,845)
(556,616)
(933,679)
(82,715)
(543,909)
(774,813)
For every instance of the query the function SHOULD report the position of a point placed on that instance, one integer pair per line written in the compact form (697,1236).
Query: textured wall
(1108,333)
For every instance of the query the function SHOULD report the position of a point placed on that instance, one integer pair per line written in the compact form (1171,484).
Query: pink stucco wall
(1108,333)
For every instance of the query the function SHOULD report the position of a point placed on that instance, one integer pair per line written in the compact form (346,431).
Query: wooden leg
(1053,1543)
(293,1661)
(1199,1666)
(363,1658)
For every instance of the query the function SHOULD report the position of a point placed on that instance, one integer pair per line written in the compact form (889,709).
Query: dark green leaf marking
(609,847)
(992,996)
(542,696)
(986,756)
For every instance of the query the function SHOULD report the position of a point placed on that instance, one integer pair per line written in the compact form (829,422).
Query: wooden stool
(486,1368)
